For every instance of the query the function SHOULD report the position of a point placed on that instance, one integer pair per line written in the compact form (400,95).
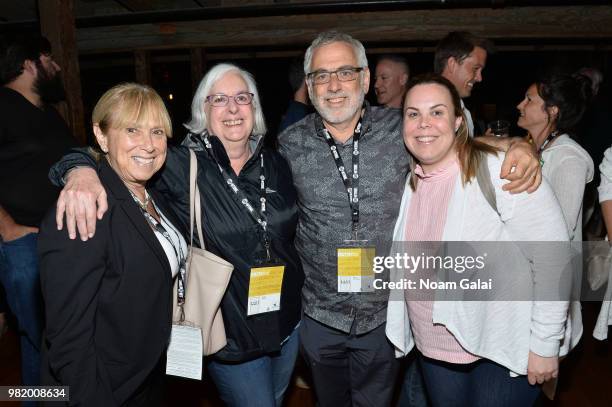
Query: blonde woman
(108,301)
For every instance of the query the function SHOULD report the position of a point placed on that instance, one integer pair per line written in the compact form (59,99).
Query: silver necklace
(144,205)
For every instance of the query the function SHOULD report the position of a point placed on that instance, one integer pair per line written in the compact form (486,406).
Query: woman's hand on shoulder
(83,200)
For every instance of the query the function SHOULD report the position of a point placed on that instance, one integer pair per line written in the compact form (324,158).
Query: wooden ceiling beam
(208,3)
(265,8)
(136,5)
(211,10)
(586,22)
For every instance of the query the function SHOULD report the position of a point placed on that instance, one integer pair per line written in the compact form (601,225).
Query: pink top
(426,218)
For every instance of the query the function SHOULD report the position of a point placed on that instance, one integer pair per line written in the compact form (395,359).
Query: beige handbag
(207,278)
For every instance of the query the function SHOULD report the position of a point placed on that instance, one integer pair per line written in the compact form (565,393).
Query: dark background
(506,78)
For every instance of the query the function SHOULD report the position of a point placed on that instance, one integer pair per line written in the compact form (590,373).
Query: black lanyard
(548,139)
(231,183)
(178,252)
(352,184)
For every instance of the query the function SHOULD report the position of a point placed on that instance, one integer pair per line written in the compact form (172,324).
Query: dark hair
(15,51)
(434,78)
(459,45)
(470,152)
(398,59)
(296,73)
(594,75)
(570,94)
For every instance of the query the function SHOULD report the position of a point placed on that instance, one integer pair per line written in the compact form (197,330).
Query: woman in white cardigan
(471,352)
(550,110)
(552,107)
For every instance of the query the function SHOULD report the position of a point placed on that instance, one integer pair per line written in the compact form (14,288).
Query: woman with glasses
(249,219)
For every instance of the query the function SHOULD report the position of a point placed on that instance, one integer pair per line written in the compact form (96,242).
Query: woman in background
(550,110)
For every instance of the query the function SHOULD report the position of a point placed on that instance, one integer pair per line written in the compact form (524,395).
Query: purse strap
(483,177)
(195,207)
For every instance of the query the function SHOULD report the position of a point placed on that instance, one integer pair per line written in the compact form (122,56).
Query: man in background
(461,57)
(32,137)
(299,106)
(390,80)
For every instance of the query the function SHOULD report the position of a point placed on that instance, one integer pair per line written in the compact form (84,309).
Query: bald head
(391,76)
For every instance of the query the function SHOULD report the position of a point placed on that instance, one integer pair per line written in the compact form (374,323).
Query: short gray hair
(329,37)
(199,122)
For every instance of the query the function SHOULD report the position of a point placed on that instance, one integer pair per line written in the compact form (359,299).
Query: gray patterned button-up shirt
(325,214)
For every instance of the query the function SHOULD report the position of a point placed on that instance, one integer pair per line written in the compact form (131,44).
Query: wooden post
(142,64)
(198,66)
(57,24)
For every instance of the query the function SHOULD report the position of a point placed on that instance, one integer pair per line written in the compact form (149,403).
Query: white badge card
(355,273)
(265,286)
(184,355)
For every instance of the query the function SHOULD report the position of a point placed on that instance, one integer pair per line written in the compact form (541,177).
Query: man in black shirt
(32,137)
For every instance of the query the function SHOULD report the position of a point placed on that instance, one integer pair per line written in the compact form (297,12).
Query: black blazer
(108,301)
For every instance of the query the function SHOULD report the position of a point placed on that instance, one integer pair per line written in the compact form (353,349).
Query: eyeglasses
(343,75)
(221,100)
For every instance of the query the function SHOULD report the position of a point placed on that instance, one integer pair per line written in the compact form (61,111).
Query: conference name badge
(355,273)
(265,289)
(184,354)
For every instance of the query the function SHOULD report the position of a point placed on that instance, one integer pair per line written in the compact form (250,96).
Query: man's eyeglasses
(343,75)
(220,100)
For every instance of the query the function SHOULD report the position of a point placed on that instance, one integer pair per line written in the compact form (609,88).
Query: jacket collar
(116,188)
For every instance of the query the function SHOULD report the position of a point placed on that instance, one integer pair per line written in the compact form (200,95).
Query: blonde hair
(128,103)
(470,152)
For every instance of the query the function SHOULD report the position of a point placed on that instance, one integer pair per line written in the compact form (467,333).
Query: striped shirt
(426,218)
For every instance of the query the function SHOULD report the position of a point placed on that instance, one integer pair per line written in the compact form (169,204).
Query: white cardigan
(568,168)
(605,187)
(501,331)
(605,194)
